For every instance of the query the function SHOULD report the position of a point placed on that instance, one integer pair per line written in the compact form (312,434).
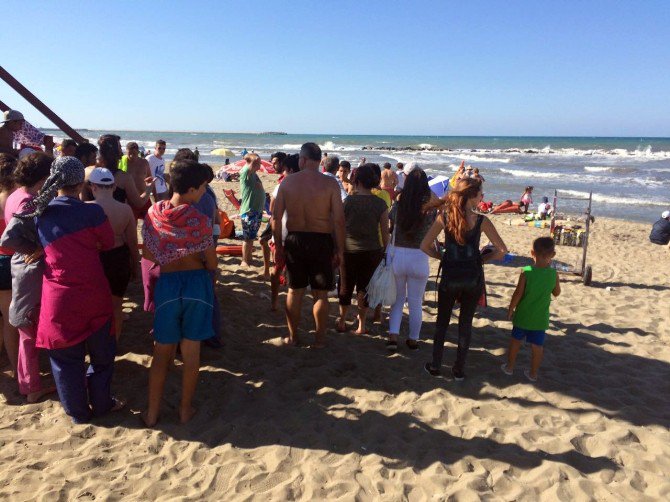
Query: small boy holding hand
(179,238)
(529,307)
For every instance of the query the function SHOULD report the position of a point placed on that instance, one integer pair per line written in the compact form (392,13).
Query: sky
(541,68)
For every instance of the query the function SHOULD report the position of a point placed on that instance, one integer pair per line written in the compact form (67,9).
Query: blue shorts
(251,222)
(532,336)
(184,306)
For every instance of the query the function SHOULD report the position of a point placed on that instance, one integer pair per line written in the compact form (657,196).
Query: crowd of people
(69,249)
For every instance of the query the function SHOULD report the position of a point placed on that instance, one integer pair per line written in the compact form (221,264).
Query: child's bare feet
(33,397)
(186,414)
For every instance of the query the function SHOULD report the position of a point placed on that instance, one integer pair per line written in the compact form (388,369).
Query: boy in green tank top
(529,307)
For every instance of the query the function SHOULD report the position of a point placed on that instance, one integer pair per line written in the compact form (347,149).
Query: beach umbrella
(223,152)
(236,167)
(439,185)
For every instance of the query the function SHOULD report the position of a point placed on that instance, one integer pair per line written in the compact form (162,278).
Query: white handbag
(381,290)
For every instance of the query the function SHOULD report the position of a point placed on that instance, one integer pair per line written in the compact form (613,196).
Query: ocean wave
(610,169)
(613,199)
(531,174)
(586,178)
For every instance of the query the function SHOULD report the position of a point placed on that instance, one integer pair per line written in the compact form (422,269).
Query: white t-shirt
(158,171)
(543,207)
(401,179)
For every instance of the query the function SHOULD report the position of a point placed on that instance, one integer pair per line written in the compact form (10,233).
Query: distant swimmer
(315,214)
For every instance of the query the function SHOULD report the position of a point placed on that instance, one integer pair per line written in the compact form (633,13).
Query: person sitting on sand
(179,238)
(364,215)
(76,312)
(544,209)
(660,231)
(529,307)
(526,200)
(314,211)
(122,262)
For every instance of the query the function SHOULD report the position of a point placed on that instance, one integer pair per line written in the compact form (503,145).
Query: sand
(353,422)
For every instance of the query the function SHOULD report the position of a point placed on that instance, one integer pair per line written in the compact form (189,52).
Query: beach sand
(353,422)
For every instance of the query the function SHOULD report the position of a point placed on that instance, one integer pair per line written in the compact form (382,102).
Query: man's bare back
(308,201)
(120,217)
(389,179)
(139,170)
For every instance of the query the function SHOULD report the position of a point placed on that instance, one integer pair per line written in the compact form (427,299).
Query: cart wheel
(588,274)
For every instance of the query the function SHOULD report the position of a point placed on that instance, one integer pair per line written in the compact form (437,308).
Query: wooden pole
(46,111)
(4,107)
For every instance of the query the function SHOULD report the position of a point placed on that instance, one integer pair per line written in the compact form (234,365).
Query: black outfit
(309,260)
(117,265)
(120,195)
(660,232)
(462,279)
(359,269)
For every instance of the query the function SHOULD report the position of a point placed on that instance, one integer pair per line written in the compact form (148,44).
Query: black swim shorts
(309,260)
(117,267)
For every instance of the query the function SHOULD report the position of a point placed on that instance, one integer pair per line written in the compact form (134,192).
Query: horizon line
(283,133)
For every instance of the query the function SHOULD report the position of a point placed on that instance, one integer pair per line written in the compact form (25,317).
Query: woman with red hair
(462,275)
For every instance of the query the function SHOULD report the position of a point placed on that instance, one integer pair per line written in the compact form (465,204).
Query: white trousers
(411,270)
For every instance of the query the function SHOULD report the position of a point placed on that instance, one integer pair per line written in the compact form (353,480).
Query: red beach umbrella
(236,167)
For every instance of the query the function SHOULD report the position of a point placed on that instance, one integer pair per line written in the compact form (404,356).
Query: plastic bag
(381,290)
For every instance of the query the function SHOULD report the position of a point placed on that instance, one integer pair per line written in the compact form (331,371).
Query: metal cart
(569,236)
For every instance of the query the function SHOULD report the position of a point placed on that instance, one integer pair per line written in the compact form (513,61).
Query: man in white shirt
(157,165)
(331,165)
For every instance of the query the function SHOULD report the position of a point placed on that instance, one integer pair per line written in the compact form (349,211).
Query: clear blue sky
(360,67)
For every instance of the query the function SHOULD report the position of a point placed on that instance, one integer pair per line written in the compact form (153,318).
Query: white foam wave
(425,145)
(598,169)
(477,158)
(612,199)
(531,174)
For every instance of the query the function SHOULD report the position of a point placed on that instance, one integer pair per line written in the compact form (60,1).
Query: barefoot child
(122,262)
(529,308)
(179,238)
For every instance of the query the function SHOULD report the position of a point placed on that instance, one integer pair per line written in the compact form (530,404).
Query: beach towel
(171,233)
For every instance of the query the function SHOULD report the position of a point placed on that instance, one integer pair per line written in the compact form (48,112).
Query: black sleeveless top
(461,264)
(120,195)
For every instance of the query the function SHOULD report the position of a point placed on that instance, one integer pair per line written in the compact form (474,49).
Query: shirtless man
(389,180)
(315,213)
(121,263)
(139,170)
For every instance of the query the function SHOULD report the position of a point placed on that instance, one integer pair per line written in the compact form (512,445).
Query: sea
(627,178)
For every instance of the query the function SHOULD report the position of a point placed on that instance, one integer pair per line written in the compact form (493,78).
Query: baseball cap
(101,176)
(409,167)
(665,214)
(12,115)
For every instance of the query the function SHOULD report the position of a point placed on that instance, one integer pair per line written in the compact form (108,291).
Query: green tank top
(532,313)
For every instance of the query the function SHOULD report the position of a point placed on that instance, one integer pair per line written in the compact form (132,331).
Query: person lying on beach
(179,238)
(314,211)
(529,307)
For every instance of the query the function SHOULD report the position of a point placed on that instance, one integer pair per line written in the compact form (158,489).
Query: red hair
(456,223)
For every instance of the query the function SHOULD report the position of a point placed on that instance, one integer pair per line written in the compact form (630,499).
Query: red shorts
(141,212)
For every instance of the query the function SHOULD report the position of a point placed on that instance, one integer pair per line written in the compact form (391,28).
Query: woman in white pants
(412,216)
